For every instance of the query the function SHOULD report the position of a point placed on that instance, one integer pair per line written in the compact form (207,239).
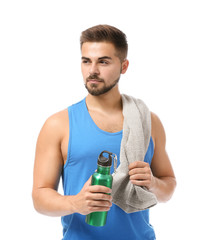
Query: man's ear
(125,65)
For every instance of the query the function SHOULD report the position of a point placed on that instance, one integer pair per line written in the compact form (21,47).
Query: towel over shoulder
(134,145)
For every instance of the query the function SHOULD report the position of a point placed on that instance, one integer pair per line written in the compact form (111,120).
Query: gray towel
(134,145)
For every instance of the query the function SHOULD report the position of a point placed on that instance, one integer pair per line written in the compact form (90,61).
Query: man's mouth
(94,80)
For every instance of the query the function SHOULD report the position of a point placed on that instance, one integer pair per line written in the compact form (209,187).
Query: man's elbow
(172,183)
(35,199)
(169,186)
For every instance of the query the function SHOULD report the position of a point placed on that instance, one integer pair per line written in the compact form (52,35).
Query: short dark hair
(107,33)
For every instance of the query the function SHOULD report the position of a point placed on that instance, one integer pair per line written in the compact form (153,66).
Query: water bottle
(104,178)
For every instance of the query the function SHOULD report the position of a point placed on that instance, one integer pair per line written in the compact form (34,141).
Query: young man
(71,140)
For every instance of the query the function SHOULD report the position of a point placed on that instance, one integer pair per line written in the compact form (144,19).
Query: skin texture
(101,68)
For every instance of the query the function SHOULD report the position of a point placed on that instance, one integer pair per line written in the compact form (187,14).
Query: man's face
(100,66)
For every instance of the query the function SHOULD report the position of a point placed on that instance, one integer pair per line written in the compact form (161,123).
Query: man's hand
(92,199)
(141,175)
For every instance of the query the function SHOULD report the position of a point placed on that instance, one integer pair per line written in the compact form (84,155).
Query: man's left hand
(141,175)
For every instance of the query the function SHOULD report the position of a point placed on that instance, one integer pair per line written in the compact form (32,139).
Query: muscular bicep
(161,165)
(48,157)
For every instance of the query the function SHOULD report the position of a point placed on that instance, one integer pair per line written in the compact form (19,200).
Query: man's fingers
(137,171)
(95,203)
(139,177)
(100,197)
(99,189)
(140,183)
(99,209)
(137,164)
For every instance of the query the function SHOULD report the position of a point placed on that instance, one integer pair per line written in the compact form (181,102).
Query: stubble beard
(95,90)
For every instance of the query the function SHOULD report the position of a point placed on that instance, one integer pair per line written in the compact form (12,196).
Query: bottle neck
(103,170)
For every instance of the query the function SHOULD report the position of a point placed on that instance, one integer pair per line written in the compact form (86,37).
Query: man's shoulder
(157,129)
(59,121)
(56,124)
(57,118)
(77,104)
(156,122)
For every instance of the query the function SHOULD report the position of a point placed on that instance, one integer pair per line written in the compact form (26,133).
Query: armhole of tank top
(70,137)
(152,149)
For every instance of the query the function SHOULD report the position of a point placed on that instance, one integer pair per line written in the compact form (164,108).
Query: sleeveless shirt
(86,142)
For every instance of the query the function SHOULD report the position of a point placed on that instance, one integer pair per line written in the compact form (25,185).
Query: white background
(170,69)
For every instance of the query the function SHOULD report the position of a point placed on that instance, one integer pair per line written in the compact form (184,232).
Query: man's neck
(109,102)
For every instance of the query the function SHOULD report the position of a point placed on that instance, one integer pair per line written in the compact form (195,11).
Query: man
(71,140)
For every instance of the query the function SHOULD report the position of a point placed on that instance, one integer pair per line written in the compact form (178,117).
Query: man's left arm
(159,178)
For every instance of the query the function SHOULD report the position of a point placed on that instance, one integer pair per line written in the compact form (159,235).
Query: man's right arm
(47,171)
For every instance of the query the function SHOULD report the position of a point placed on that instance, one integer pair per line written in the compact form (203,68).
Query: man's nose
(94,69)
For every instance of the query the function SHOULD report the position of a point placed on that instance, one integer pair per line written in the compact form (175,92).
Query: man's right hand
(92,198)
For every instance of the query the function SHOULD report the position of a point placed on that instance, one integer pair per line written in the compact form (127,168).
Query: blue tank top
(86,142)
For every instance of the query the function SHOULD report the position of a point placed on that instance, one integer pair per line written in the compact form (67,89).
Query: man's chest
(107,122)
(110,123)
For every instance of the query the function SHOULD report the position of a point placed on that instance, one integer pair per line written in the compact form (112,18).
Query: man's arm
(159,178)
(47,171)
(48,167)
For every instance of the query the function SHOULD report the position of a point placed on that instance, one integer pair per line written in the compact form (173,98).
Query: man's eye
(85,61)
(104,62)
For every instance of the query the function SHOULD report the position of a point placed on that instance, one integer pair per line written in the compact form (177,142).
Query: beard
(95,90)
